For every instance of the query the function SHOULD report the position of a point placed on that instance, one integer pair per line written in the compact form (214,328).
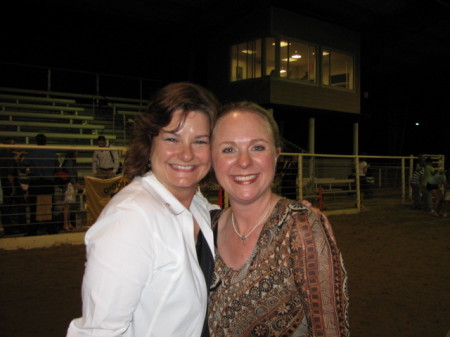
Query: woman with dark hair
(142,276)
(278,271)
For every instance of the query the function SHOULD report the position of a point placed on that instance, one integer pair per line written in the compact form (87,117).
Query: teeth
(183,167)
(245,178)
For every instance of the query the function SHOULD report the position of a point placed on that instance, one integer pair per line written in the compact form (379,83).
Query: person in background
(71,189)
(428,173)
(105,163)
(41,164)
(143,276)
(415,181)
(278,270)
(12,209)
(437,186)
(363,169)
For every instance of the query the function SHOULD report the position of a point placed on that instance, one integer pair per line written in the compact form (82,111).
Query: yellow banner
(99,192)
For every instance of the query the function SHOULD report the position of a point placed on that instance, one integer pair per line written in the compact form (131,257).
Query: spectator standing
(363,168)
(71,189)
(436,185)
(42,164)
(105,163)
(428,173)
(12,209)
(415,181)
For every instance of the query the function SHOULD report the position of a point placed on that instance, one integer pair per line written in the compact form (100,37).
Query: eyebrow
(231,142)
(176,133)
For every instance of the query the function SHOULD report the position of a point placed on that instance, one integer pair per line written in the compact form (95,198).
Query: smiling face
(180,157)
(244,155)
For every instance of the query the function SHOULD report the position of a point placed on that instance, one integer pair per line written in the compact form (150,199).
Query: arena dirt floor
(398,262)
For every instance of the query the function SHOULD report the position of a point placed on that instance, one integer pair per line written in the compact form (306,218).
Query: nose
(186,153)
(244,159)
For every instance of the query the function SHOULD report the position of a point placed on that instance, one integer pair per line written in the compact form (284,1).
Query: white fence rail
(330,182)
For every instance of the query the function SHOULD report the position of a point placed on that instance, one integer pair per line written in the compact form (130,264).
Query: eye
(259,147)
(202,142)
(227,150)
(170,139)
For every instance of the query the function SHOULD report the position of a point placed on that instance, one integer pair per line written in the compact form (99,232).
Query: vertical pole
(403,181)
(358,185)
(312,146)
(300,177)
(312,136)
(355,138)
(97,88)
(356,163)
(49,81)
(411,170)
(277,57)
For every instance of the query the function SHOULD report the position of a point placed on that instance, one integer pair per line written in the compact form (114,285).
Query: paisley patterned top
(293,284)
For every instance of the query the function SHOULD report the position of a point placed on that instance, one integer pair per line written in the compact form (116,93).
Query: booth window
(298,60)
(291,59)
(246,60)
(337,69)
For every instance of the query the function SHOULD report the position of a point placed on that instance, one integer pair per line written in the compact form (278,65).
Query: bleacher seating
(40,99)
(47,107)
(65,121)
(24,125)
(37,115)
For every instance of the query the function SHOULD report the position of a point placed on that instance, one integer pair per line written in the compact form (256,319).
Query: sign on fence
(99,192)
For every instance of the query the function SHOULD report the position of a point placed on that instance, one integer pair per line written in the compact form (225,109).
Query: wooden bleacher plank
(128,113)
(25,98)
(18,124)
(27,134)
(127,106)
(331,185)
(74,95)
(44,115)
(40,107)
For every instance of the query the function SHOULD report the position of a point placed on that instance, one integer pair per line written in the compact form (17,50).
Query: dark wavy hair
(182,96)
(247,106)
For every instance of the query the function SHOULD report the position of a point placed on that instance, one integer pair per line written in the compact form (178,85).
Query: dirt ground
(398,262)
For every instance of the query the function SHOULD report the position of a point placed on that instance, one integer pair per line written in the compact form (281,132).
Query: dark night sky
(68,37)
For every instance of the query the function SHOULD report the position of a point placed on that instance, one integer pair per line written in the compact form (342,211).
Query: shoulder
(292,206)
(294,212)
(129,214)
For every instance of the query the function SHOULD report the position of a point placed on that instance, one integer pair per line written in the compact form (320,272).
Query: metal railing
(333,182)
(330,182)
(35,201)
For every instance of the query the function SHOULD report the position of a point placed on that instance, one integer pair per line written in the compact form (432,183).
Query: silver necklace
(244,237)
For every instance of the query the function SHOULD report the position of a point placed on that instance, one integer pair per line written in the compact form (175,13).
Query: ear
(277,153)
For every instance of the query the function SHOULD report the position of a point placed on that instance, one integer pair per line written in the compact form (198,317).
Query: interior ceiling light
(325,53)
(282,44)
(296,55)
(282,71)
(248,51)
(291,59)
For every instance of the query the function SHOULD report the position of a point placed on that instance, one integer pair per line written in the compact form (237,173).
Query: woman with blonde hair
(278,271)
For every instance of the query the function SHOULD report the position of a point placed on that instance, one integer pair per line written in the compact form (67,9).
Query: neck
(244,213)
(185,198)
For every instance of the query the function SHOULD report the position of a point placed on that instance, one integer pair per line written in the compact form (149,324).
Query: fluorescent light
(248,51)
(296,55)
(282,44)
(291,59)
